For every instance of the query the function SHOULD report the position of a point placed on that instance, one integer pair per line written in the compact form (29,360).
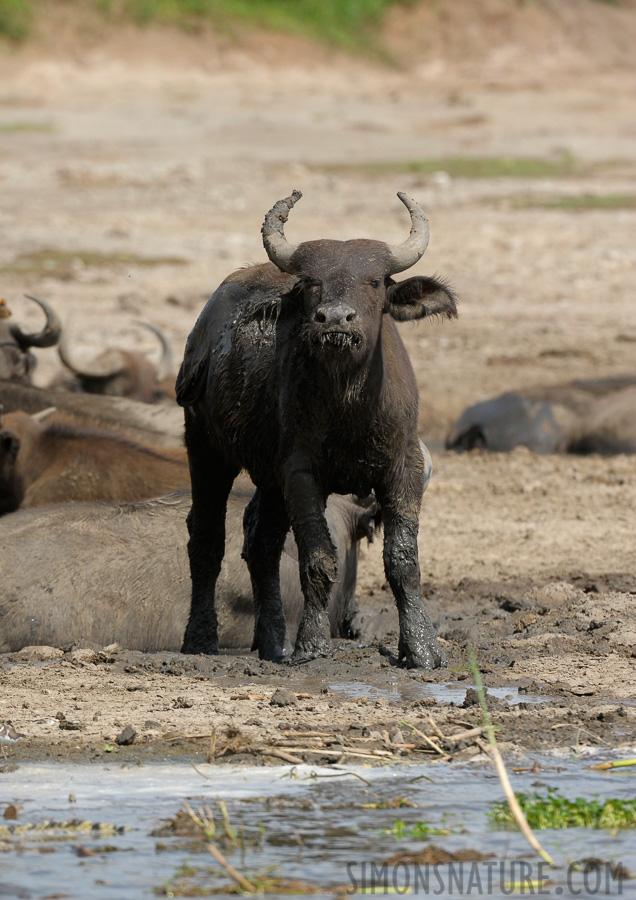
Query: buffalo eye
(375,283)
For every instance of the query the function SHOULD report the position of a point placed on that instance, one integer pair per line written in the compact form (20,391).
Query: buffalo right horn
(407,254)
(279,250)
(50,334)
(100,372)
(165,366)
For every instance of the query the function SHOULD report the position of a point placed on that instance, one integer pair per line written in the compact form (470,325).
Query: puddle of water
(312,827)
(442,693)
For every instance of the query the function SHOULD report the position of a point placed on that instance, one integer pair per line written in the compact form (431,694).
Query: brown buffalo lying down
(55,462)
(158,423)
(104,573)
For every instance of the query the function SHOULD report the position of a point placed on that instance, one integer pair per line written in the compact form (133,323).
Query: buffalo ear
(418,297)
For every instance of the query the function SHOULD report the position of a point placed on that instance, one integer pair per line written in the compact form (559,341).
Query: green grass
(19,127)
(555,811)
(61,263)
(467,167)
(15,19)
(351,24)
(577,202)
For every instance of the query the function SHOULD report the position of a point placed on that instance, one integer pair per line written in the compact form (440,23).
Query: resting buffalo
(120,373)
(160,424)
(593,416)
(296,372)
(16,362)
(55,462)
(119,573)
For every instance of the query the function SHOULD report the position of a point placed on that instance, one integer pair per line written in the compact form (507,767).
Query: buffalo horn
(50,334)
(100,372)
(407,254)
(276,245)
(165,366)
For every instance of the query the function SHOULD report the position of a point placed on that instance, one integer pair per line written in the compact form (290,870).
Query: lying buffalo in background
(16,362)
(160,424)
(56,462)
(593,416)
(120,373)
(102,573)
(296,372)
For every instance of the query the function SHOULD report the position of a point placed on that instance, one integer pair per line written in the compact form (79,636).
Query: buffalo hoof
(424,655)
(306,651)
(209,648)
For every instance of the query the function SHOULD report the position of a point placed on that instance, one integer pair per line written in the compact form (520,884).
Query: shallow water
(310,822)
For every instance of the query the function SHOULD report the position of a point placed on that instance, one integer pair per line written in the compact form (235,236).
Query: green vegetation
(467,167)
(400,830)
(576,202)
(351,24)
(62,263)
(15,18)
(555,811)
(17,127)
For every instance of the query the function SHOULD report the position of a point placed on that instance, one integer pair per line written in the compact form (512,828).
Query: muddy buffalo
(587,416)
(16,360)
(118,372)
(56,462)
(102,573)
(295,371)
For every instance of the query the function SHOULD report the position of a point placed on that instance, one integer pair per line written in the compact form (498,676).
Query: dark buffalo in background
(295,371)
(16,361)
(587,416)
(104,573)
(160,424)
(118,372)
(56,462)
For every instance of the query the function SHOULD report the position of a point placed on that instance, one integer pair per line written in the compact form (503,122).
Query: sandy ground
(174,158)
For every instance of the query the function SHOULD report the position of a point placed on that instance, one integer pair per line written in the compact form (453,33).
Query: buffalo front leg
(265,527)
(317,563)
(211,484)
(418,644)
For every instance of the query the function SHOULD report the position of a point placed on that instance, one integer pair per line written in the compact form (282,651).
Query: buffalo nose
(335,315)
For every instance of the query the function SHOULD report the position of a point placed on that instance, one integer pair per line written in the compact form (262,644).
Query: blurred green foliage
(351,24)
(15,18)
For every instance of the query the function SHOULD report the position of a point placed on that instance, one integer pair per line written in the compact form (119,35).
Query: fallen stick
(613,764)
(492,750)
(465,735)
(242,882)
(280,754)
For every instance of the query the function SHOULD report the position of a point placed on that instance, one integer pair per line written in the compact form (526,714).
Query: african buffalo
(587,416)
(159,424)
(100,573)
(120,373)
(296,372)
(16,362)
(56,462)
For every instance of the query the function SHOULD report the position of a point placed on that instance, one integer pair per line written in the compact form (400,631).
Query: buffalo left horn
(279,250)
(101,369)
(407,254)
(165,366)
(50,334)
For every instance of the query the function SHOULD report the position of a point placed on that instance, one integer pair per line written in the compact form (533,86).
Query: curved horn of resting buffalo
(279,250)
(97,372)
(413,248)
(50,334)
(165,366)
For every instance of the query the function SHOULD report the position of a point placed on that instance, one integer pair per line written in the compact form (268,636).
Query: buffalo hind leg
(418,645)
(212,481)
(265,527)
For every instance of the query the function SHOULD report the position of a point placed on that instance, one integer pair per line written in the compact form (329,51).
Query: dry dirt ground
(161,153)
